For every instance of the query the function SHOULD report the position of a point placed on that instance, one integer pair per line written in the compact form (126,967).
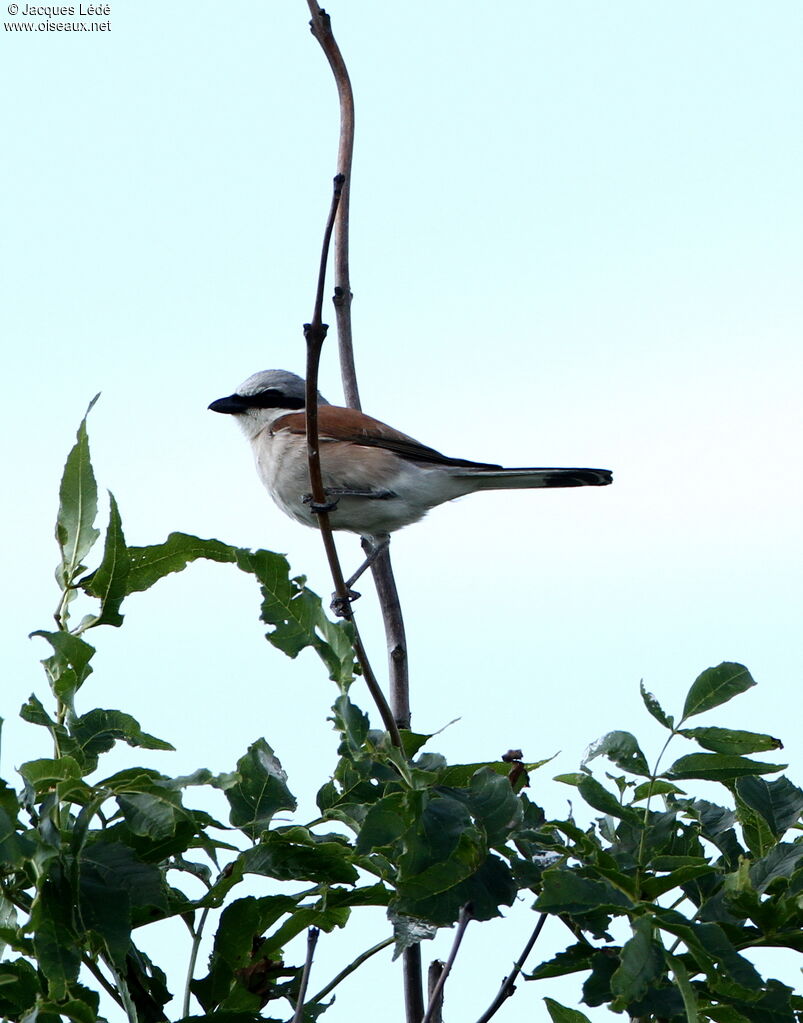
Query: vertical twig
(384,581)
(315,334)
(322,30)
(434,974)
(312,941)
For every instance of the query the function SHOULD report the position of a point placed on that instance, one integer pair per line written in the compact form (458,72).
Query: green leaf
(729,740)
(69,667)
(296,853)
(641,961)
(44,774)
(258,790)
(676,965)
(718,767)
(488,888)
(147,565)
(54,939)
(108,581)
(781,861)
(648,789)
(599,797)
(494,805)
(716,686)
(566,891)
(78,506)
(97,731)
(680,870)
(19,988)
(353,725)
(655,708)
(574,959)
(384,823)
(297,615)
(779,802)
(560,1014)
(622,749)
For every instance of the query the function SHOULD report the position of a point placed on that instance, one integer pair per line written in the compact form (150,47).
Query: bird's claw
(341,605)
(317,507)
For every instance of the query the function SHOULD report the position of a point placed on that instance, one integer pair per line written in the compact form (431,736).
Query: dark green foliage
(665,894)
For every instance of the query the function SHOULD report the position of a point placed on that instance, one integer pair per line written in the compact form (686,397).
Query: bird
(376,479)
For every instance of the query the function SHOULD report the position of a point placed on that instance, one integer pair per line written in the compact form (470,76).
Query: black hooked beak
(232,405)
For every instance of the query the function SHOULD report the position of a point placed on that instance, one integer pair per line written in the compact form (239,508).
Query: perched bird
(377,479)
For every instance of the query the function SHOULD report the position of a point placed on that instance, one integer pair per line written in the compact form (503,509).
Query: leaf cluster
(664,894)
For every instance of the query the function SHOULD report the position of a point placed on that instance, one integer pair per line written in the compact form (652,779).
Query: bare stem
(321,28)
(434,974)
(508,984)
(312,941)
(315,334)
(197,933)
(413,984)
(382,572)
(436,997)
(352,966)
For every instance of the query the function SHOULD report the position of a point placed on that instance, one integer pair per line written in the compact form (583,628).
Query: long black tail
(513,479)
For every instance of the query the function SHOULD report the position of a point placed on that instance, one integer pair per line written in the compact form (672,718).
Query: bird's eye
(274,398)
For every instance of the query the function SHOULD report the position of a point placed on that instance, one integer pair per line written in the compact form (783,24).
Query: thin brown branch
(395,639)
(352,966)
(509,983)
(312,941)
(315,334)
(322,30)
(436,998)
(382,572)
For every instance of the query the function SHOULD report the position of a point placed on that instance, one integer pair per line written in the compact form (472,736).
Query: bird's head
(263,397)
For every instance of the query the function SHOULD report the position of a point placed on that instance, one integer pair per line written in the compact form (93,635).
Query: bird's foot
(341,606)
(373,547)
(318,507)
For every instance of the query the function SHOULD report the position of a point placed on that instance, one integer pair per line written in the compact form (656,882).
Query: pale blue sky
(577,239)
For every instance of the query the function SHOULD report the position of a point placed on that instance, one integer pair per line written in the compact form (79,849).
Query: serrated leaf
(108,581)
(730,740)
(622,749)
(69,667)
(655,708)
(574,959)
(97,731)
(779,802)
(260,789)
(716,686)
(147,565)
(78,506)
(719,767)
(560,1014)
(297,616)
